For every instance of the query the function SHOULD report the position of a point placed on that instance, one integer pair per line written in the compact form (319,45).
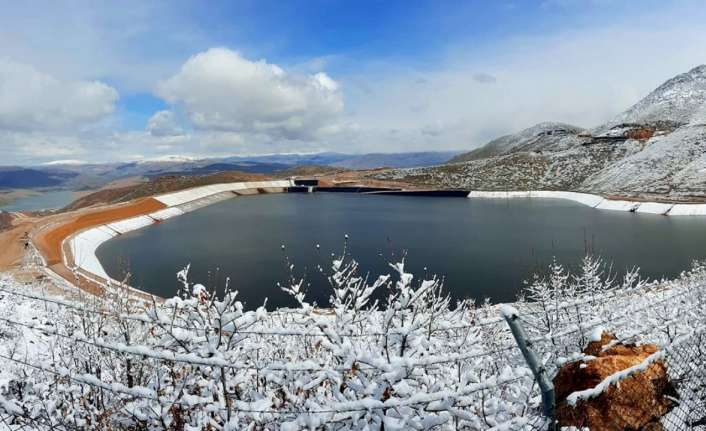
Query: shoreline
(68,247)
(68,250)
(600,202)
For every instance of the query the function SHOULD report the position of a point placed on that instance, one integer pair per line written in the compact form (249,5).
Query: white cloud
(32,100)
(582,77)
(221,91)
(164,123)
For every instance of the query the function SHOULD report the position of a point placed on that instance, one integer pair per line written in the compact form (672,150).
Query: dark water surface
(483,248)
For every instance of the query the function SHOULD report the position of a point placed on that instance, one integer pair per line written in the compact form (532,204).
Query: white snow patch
(508,311)
(596,334)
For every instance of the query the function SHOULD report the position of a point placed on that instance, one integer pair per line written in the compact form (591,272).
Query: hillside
(540,137)
(85,176)
(18,177)
(677,100)
(655,149)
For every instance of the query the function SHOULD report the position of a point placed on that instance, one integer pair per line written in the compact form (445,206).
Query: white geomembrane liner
(582,198)
(688,210)
(654,208)
(599,202)
(128,225)
(184,196)
(498,195)
(614,205)
(166,213)
(84,245)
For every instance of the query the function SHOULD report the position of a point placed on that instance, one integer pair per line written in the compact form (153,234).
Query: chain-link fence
(628,358)
(621,361)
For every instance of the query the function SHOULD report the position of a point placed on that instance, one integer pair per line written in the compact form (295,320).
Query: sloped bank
(79,248)
(599,202)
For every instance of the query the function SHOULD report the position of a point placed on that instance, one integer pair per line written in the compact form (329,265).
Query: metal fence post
(540,374)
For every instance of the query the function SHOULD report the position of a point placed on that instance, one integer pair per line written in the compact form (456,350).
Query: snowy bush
(415,361)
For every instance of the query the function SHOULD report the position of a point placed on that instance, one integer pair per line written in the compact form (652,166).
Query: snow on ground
(416,362)
(654,150)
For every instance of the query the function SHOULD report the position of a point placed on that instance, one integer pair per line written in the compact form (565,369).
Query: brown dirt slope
(49,241)
(12,243)
(160,185)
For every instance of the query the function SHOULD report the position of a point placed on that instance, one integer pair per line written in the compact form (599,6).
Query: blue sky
(97,81)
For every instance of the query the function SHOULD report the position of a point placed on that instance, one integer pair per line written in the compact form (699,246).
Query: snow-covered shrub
(413,361)
(564,311)
(201,360)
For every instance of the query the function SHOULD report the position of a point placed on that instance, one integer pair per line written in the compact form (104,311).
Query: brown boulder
(641,133)
(636,403)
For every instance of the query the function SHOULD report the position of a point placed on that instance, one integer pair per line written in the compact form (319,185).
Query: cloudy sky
(107,81)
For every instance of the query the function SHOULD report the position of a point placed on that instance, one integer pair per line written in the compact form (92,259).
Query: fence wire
(660,389)
(668,392)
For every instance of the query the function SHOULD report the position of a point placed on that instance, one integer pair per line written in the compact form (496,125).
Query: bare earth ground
(12,242)
(49,240)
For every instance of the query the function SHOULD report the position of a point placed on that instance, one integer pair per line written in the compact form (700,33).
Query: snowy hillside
(655,149)
(540,137)
(673,165)
(676,100)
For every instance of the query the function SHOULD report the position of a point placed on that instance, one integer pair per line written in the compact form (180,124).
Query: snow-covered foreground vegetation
(416,361)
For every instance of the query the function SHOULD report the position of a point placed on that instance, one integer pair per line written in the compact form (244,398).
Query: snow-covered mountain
(542,136)
(656,148)
(677,100)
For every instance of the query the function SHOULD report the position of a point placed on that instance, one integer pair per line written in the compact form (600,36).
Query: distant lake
(44,200)
(483,248)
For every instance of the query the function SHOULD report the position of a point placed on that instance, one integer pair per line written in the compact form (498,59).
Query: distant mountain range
(71,174)
(656,148)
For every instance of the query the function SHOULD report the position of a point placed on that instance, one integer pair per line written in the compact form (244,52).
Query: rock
(637,403)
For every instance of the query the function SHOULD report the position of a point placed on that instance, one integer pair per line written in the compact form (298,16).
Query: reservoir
(482,248)
(40,200)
